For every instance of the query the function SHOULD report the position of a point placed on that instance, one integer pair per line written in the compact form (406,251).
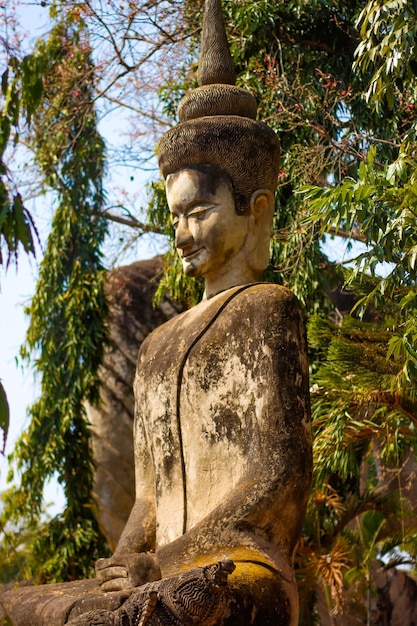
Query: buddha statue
(222,432)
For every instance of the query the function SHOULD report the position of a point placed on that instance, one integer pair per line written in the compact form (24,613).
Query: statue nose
(183,235)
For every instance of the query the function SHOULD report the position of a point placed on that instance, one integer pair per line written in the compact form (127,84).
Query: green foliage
(358,397)
(14,554)
(21,89)
(364,404)
(4,414)
(388,45)
(67,332)
(364,380)
(381,209)
(381,206)
(365,415)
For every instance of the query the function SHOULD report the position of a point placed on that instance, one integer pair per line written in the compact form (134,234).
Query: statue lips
(192,254)
(192,259)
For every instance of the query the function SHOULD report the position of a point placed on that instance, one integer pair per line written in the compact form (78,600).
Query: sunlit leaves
(379,208)
(360,395)
(21,89)
(16,225)
(364,422)
(388,48)
(403,346)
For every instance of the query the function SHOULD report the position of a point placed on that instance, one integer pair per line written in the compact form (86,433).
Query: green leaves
(22,91)
(67,335)
(388,49)
(403,347)
(32,70)
(4,415)
(379,209)
(16,225)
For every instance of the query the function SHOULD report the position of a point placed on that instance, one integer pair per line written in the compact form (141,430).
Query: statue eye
(200,211)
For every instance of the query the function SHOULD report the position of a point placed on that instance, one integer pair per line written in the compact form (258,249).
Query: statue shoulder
(269,298)
(272,292)
(257,305)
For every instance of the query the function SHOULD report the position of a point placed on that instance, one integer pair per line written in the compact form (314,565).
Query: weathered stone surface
(223,446)
(238,365)
(132,317)
(198,596)
(44,604)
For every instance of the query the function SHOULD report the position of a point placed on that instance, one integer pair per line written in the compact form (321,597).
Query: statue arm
(133,562)
(139,533)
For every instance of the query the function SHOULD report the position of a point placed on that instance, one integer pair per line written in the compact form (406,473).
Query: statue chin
(190,269)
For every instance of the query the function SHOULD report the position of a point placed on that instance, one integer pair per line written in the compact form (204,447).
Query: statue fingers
(116,584)
(113,571)
(127,570)
(103,563)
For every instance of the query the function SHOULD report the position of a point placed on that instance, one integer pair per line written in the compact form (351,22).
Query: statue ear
(260,222)
(262,204)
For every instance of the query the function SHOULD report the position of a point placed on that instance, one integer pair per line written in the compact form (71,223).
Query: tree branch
(133,222)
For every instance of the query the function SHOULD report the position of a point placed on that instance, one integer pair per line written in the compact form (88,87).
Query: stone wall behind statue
(132,317)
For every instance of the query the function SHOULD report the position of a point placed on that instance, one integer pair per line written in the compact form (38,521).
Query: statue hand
(126,570)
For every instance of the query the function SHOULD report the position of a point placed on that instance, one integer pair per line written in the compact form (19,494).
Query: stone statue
(222,427)
(194,597)
(222,434)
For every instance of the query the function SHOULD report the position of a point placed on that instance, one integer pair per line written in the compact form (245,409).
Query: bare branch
(133,222)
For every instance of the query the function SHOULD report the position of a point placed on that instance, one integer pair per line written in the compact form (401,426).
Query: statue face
(209,235)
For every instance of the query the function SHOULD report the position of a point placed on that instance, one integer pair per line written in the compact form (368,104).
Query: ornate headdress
(218,120)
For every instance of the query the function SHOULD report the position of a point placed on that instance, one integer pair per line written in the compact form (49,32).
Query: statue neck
(215,283)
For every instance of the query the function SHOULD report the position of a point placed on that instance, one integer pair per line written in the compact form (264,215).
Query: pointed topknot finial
(215,63)
(217,121)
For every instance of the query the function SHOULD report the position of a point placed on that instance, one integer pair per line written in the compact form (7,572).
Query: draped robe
(222,435)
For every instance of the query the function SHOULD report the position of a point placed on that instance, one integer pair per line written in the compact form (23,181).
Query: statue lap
(254,597)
